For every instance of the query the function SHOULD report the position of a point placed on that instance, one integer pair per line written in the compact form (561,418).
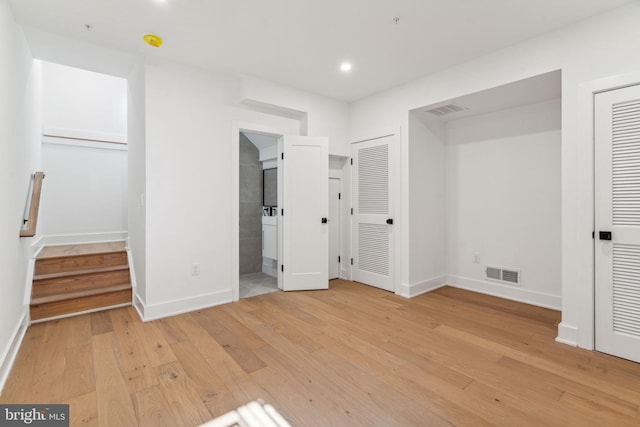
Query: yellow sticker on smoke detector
(152,40)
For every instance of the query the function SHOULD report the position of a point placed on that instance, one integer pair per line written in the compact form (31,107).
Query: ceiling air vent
(443,110)
(505,275)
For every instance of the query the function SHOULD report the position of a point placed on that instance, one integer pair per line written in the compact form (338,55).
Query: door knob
(390,221)
(325,220)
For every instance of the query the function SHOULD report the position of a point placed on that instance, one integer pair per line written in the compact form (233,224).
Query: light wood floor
(349,356)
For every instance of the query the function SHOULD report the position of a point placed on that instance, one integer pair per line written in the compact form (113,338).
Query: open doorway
(258,210)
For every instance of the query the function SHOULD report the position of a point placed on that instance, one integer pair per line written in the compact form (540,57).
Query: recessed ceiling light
(345,67)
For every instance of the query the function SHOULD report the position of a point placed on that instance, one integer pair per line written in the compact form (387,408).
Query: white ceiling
(301,42)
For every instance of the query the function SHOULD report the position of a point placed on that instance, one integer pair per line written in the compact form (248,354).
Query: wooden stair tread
(79,272)
(63,251)
(79,294)
(73,307)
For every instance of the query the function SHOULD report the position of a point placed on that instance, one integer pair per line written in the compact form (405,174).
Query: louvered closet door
(617,196)
(372,208)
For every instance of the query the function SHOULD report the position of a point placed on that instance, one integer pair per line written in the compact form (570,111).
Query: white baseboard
(270,270)
(71,239)
(137,303)
(132,270)
(567,334)
(11,350)
(506,291)
(149,312)
(415,289)
(36,246)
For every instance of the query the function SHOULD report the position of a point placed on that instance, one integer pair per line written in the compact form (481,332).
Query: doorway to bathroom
(258,210)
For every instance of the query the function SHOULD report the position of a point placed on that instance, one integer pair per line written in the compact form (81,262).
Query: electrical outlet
(195,269)
(476,258)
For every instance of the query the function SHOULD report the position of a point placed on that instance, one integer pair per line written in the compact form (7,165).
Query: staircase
(75,279)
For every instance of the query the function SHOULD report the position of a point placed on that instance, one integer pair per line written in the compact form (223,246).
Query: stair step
(69,307)
(63,274)
(79,262)
(75,279)
(79,294)
(81,249)
(78,283)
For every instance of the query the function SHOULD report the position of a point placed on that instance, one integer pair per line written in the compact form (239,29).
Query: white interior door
(617,222)
(304,213)
(373,213)
(334,228)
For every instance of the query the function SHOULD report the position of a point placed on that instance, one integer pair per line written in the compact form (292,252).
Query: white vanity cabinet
(270,237)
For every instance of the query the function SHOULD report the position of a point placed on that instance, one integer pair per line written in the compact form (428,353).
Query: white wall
(84,104)
(20,121)
(85,189)
(503,201)
(189,122)
(320,116)
(86,181)
(595,48)
(137,176)
(427,222)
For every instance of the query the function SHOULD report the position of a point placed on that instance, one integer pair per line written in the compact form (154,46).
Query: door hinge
(351,162)
(338,258)
(339,196)
(593,234)
(282,155)
(351,211)
(282,267)
(351,261)
(281,212)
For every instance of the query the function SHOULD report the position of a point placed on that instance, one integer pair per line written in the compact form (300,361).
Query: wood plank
(133,361)
(50,365)
(183,400)
(157,349)
(101,323)
(170,329)
(68,295)
(79,262)
(236,339)
(152,408)
(83,410)
(56,251)
(78,377)
(77,305)
(77,281)
(115,405)
(211,389)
